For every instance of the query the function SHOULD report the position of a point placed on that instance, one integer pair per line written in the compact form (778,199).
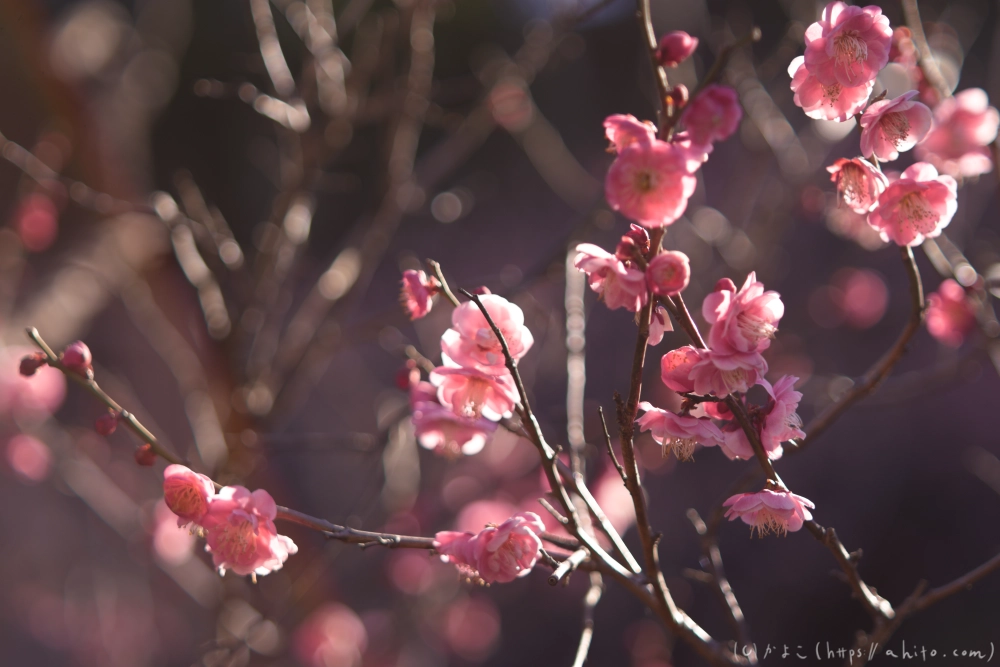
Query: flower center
(849,49)
(755,329)
(645,181)
(235,540)
(185,501)
(682,448)
(852,185)
(475,397)
(767,521)
(895,128)
(914,207)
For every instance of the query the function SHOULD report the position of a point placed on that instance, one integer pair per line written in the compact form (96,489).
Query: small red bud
(77,358)
(32,363)
(403,378)
(106,423)
(678,96)
(675,47)
(145,456)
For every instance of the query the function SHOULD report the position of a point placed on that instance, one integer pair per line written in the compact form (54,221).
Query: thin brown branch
(611,451)
(567,567)
(590,601)
(659,74)
(445,289)
(353,535)
(878,607)
(962,583)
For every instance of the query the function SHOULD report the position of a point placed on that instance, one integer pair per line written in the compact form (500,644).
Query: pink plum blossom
(675,47)
(826,101)
(417,293)
(242,536)
(473,393)
(848,45)
(964,127)
(497,553)
(743,321)
(650,183)
(449,434)
(676,367)
(721,373)
(659,324)
(697,154)
(471,342)
(951,315)
(678,433)
(668,273)
(331,636)
(187,493)
(779,422)
(770,511)
(624,130)
(858,183)
(713,115)
(890,127)
(917,206)
(620,286)
(634,242)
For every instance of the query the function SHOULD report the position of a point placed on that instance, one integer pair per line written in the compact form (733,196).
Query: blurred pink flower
(36,221)
(951,315)
(743,321)
(612,497)
(28,397)
(676,366)
(242,536)
(675,47)
(861,296)
(497,553)
(625,130)
(659,324)
(964,127)
(470,342)
(854,227)
(722,373)
(171,543)
(331,636)
(713,115)
(29,457)
(770,511)
(620,286)
(678,433)
(417,293)
(650,183)
(187,493)
(848,45)
(474,393)
(778,422)
(890,127)
(917,206)
(668,273)
(449,434)
(858,183)
(826,102)
(478,514)
(471,627)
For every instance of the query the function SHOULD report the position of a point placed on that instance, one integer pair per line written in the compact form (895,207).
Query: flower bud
(77,358)
(675,47)
(32,363)
(145,456)
(106,423)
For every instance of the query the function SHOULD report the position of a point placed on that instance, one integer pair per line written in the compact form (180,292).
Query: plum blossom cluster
(497,553)
(834,80)
(238,525)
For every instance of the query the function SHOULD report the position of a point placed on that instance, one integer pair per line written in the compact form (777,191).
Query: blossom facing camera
(713,115)
(498,553)
(77,358)
(241,532)
(951,315)
(848,45)
(473,393)
(779,422)
(620,285)
(964,127)
(890,127)
(768,511)
(678,433)
(417,294)
(675,47)
(668,273)
(743,321)
(826,102)
(918,206)
(471,342)
(624,130)
(187,493)
(858,182)
(650,183)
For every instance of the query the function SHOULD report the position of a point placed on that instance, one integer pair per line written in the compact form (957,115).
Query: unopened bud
(145,456)
(32,363)
(675,47)
(77,358)
(106,423)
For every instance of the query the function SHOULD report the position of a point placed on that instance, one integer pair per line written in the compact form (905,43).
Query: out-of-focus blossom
(77,358)
(713,115)
(890,127)
(668,273)
(743,321)
(650,183)
(411,571)
(826,102)
(675,47)
(36,222)
(917,206)
(471,628)
(449,434)
(107,423)
(187,493)
(676,367)
(171,543)
(28,397)
(722,373)
(778,422)
(619,285)
(634,242)
(854,227)
(331,636)
(145,456)
(471,342)
(697,154)
(612,497)
(29,457)
(498,553)
(242,536)
(861,296)
(858,183)
(964,127)
(473,393)
(479,513)
(951,315)
(770,511)
(678,433)
(624,130)
(659,324)
(848,45)
(417,294)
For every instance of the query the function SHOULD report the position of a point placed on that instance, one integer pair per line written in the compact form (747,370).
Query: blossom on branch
(620,285)
(951,315)
(187,493)
(471,342)
(474,393)
(650,183)
(917,206)
(624,130)
(417,293)
(776,422)
(241,534)
(497,553)
(713,115)
(659,324)
(676,366)
(858,182)
(848,45)
(890,127)
(668,273)
(743,321)
(964,127)
(826,102)
(449,434)
(723,373)
(675,47)
(770,511)
(678,433)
